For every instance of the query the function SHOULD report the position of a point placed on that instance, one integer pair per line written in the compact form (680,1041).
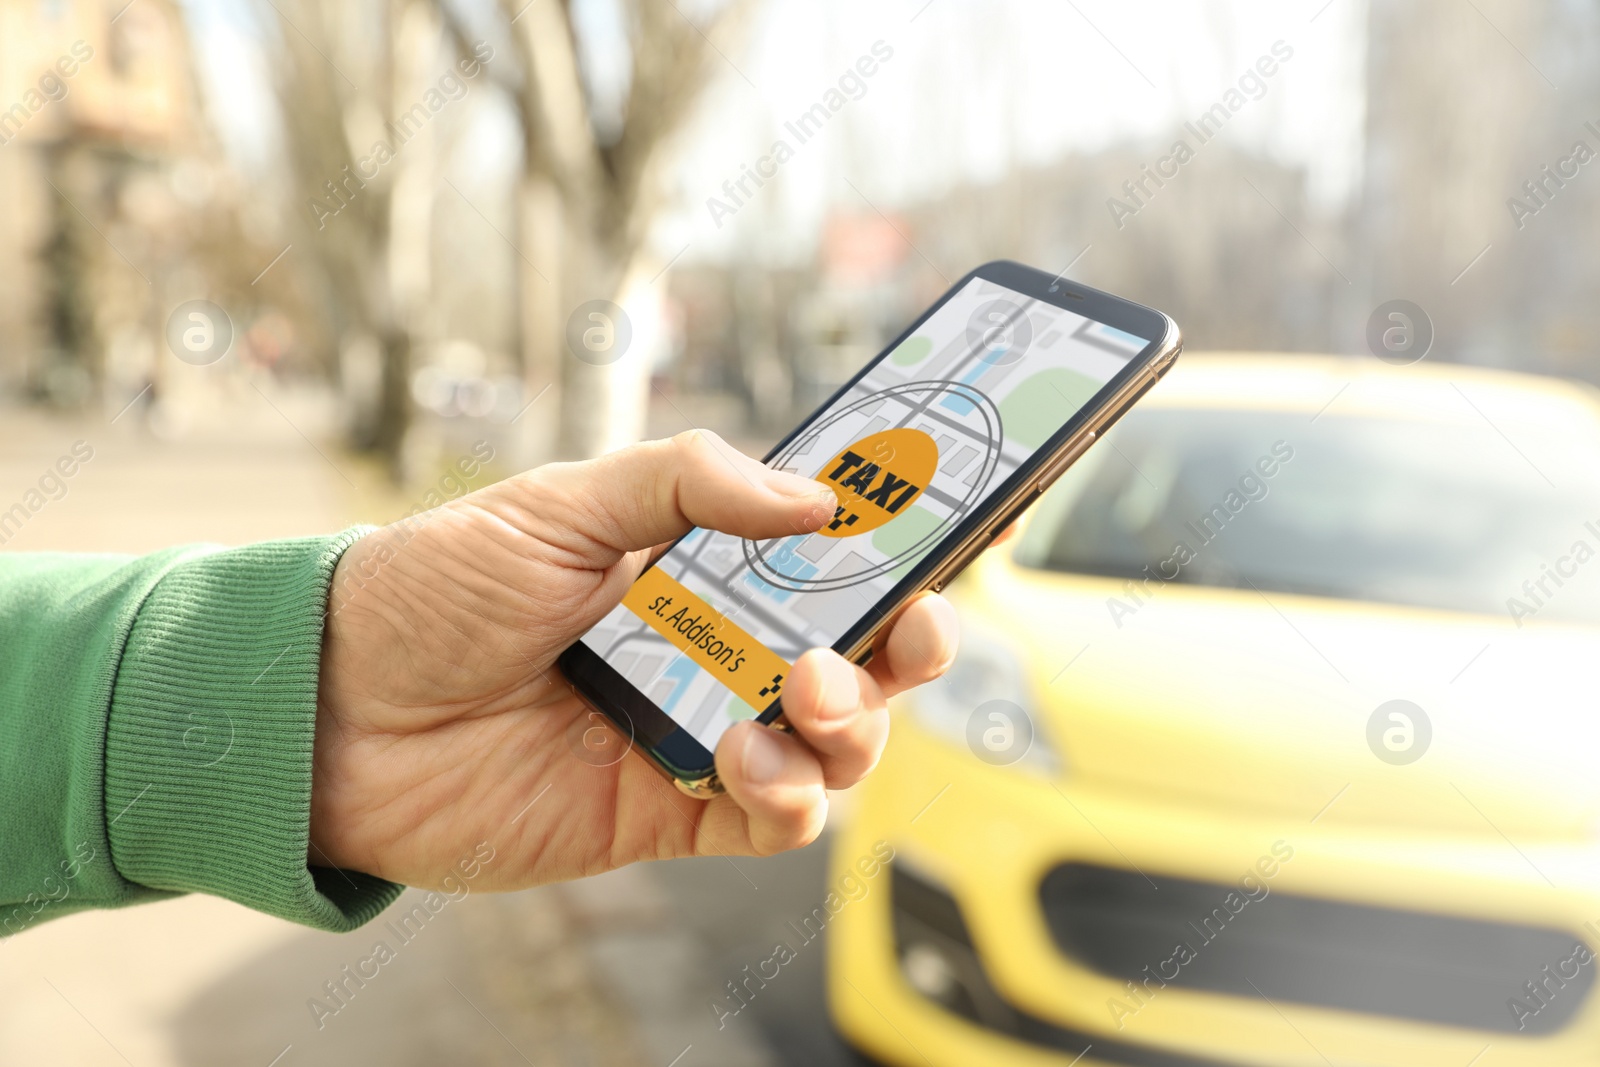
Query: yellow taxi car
(1274,739)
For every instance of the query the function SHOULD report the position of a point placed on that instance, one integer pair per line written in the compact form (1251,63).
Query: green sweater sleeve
(156,725)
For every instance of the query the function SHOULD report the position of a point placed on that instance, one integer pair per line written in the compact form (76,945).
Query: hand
(442,717)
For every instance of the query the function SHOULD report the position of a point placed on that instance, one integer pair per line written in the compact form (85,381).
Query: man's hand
(443,722)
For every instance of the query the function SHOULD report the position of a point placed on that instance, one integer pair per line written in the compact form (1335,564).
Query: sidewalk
(615,971)
(198,981)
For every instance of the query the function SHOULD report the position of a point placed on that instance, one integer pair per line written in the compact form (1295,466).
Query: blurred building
(1449,156)
(779,341)
(1210,250)
(95,100)
(865,292)
(1208,247)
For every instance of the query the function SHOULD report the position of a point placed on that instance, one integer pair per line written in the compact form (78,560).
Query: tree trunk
(394,399)
(540,231)
(604,398)
(594,198)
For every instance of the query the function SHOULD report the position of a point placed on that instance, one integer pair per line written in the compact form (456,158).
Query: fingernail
(763,756)
(821,510)
(841,689)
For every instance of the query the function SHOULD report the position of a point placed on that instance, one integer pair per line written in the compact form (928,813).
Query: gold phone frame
(1005,512)
(1001,512)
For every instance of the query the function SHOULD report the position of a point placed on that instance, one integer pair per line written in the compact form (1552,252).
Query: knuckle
(702,449)
(801,832)
(696,441)
(796,827)
(847,774)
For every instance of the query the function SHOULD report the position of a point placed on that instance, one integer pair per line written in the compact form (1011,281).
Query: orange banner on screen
(727,652)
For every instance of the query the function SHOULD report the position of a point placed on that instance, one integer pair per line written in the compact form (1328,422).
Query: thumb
(639,497)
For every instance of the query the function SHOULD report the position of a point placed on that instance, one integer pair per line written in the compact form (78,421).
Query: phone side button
(954,568)
(1067,459)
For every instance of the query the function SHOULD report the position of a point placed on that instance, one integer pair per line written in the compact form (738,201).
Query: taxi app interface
(709,633)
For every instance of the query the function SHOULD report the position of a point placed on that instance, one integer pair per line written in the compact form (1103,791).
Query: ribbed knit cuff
(208,747)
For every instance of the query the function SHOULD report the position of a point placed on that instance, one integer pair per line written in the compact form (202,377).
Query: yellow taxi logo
(877,478)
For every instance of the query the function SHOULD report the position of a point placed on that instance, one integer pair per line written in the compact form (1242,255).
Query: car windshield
(1435,514)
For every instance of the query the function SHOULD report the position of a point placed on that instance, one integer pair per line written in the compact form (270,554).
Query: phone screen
(918,443)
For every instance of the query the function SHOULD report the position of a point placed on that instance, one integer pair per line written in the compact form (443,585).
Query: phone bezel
(684,758)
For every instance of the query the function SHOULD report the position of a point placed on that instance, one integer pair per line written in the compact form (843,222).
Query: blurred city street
(560,975)
(250,475)
(564,974)
(1299,650)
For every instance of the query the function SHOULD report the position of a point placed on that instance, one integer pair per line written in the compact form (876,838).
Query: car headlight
(984,703)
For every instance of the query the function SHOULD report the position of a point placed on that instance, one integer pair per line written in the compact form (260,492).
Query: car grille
(1356,957)
(927,918)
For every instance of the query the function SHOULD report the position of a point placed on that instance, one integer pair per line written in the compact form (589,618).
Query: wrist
(224,657)
(326,845)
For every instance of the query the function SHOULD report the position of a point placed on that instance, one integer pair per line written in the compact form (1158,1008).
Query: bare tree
(589,192)
(347,75)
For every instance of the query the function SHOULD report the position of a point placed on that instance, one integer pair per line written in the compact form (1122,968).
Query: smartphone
(933,448)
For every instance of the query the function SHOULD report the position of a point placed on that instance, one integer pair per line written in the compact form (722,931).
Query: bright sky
(972,89)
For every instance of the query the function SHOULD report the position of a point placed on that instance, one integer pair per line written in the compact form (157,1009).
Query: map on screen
(910,450)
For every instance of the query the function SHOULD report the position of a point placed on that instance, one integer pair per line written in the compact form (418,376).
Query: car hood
(1264,701)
